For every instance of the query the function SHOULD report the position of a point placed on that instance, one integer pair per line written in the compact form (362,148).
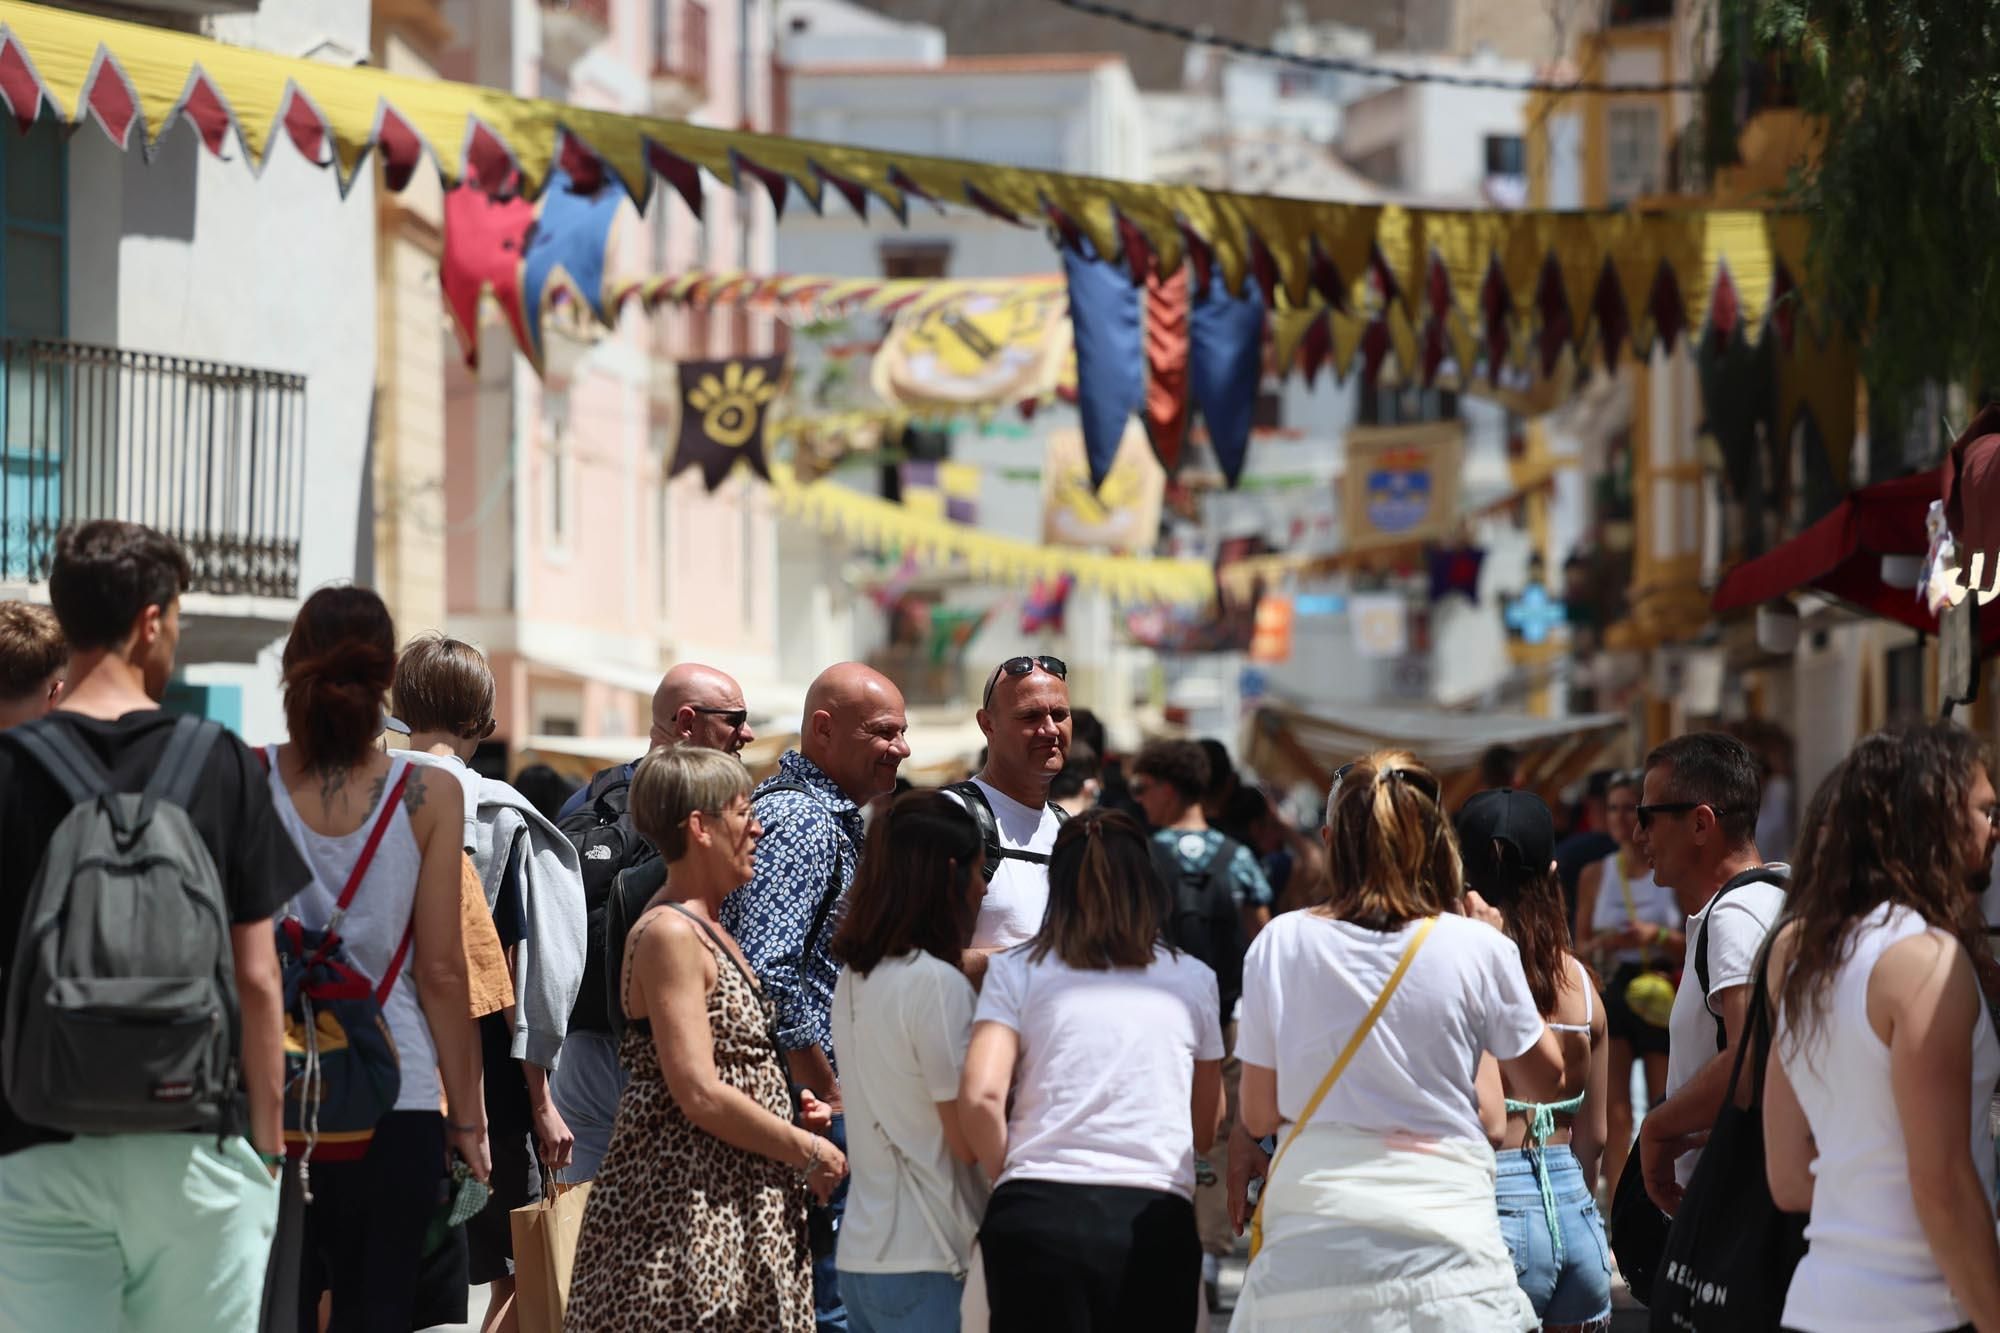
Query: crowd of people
(1029,1051)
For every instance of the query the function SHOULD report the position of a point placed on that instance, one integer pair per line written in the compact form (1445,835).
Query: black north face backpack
(607,846)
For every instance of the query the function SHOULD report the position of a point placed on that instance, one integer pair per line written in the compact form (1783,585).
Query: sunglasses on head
(1646,812)
(735,717)
(1423,782)
(1021,666)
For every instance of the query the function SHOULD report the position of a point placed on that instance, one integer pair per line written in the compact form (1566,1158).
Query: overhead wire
(1364,68)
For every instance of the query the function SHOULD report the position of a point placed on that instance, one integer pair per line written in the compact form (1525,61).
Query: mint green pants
(134,1233)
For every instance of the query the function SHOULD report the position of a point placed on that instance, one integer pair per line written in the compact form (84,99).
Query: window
(33,208)
(1623,12)
(915,259)
(1383,405)
(1506,155)
(1632,153)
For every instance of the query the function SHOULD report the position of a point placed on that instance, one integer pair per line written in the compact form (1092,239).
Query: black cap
(1504,815)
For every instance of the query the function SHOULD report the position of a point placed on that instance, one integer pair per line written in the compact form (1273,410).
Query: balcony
(680,57)
(570,28)
(212,455)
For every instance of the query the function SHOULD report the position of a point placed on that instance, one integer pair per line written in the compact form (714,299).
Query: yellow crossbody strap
(1346,1057)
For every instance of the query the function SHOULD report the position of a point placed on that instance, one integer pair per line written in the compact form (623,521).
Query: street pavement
(1627,1315)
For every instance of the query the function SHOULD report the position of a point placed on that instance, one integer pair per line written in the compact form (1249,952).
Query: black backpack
(607,846)
(975,802)
(1202,917)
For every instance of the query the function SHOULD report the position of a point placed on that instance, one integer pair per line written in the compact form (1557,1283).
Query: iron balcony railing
(213,455)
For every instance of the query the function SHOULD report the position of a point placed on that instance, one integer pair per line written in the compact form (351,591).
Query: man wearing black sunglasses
(1697,823)
(694,705)
(1024,713)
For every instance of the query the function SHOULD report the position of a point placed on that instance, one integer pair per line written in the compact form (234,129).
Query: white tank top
(375,920)
(1654,906)
(1869,1266)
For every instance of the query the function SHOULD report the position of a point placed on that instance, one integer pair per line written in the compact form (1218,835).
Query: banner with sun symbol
(722,415)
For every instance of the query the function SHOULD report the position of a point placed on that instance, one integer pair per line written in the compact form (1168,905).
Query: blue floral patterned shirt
(807,840)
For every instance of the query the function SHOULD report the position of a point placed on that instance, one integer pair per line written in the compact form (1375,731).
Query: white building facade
(184,348)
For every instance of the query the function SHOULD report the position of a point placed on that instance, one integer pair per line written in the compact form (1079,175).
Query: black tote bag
(1731,1251)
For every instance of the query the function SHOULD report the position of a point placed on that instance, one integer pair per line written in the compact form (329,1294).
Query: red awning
(1841,555)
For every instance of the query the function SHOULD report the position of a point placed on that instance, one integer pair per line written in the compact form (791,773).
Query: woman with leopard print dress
(697,1218)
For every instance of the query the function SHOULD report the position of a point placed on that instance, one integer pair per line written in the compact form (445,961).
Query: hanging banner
(1122,515)
(942,490)
(722,415)
(975,349)
(1381,622)
(1401,484)
(1563,281)
(880,524)
(1271,641)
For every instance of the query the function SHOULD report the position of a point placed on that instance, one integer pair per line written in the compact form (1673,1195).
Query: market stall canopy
(1495,284)
(1841,555)
(1299,746)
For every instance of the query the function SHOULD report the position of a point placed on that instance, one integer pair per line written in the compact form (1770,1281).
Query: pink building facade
(570,558)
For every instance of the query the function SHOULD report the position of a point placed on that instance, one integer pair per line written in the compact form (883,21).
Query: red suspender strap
(389,804)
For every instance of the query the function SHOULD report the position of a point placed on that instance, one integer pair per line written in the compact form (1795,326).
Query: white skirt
(1374,1234)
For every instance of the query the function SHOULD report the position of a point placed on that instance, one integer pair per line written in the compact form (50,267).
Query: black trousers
(364,1229)
(1063,1258)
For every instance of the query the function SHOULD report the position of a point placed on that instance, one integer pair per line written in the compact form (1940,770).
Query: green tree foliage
(1905,199)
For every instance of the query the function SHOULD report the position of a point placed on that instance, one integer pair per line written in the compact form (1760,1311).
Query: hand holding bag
(545,1234)
(1340,1064)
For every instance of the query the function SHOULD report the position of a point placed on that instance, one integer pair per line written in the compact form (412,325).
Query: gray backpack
(121,1005)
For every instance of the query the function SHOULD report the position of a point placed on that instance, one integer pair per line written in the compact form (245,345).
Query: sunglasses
(735,717)
(1021,666)
(1423,782)
(1646,812)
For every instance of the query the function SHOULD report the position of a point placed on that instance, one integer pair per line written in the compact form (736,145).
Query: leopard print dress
(684,1232)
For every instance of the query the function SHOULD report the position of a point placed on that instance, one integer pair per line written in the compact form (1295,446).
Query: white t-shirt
(1017,897)
(901,1032)
(1105,1075)
(1736,929)
(1309,980)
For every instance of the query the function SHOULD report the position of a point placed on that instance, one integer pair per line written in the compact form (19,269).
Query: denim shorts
(1572,1289)
(902,1302)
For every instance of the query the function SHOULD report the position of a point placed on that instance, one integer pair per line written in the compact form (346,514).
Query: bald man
(851,743)
(694,705)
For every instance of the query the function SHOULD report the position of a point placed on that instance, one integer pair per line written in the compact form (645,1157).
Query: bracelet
(812,1160)
(273,1159)
(466,1129)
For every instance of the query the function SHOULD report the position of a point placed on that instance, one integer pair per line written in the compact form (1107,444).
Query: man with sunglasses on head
(1024,713)
(694,705)
(1698,809)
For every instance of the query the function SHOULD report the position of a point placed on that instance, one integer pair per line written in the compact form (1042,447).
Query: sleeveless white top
(1869,1266)
(1655,906)
(375,921)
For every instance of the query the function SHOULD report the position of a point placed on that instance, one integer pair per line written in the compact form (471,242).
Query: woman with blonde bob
(697,1217)
(1364,1019)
